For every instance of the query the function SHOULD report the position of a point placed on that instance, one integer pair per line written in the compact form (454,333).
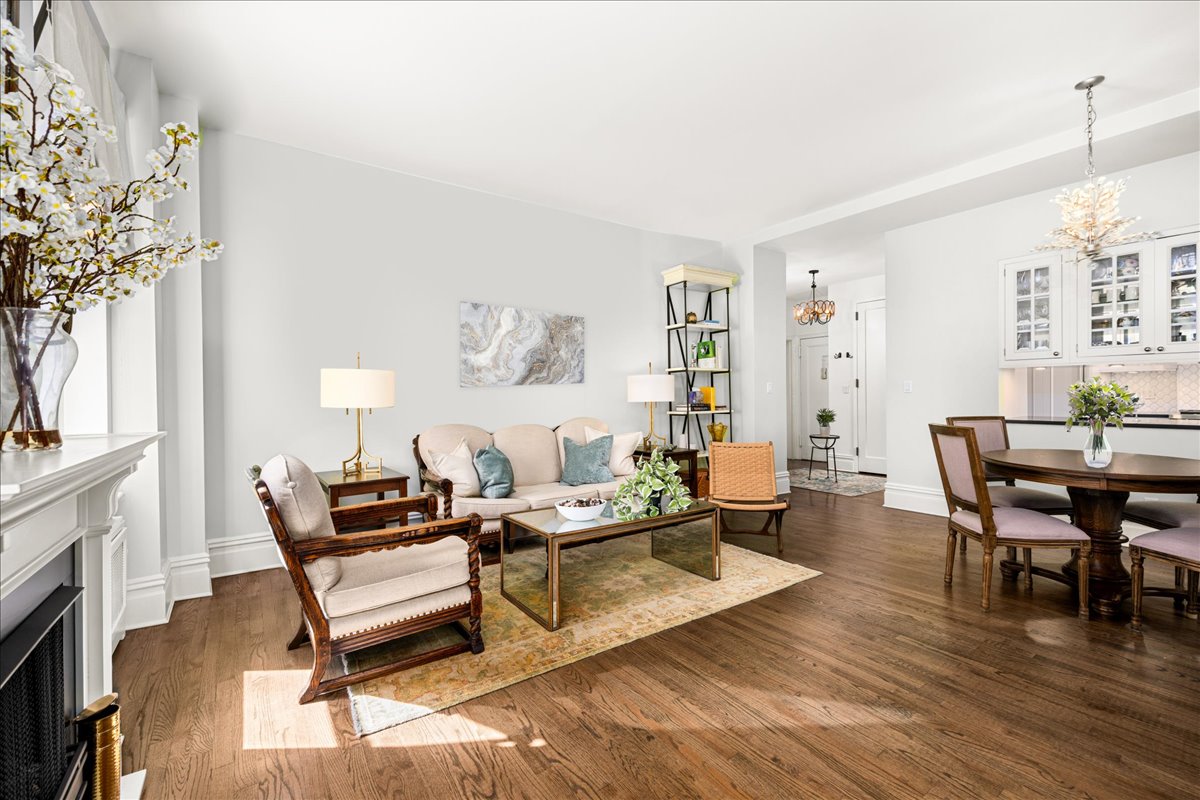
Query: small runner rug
(850,484)
(613,593)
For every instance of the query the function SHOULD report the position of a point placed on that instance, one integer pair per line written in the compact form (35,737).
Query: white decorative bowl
(580,514)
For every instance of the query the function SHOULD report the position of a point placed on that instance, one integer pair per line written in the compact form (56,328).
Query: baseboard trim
(146,600)
(234,555)
(190,577)
(783,482)
(920,499)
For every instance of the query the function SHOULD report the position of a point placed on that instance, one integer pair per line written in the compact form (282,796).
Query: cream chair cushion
(533,452)
(304,509)
(386,577)
(544,495)
(621,461)
(459,467)
(340,627)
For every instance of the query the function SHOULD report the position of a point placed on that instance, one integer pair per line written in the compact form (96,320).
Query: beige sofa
(536,454)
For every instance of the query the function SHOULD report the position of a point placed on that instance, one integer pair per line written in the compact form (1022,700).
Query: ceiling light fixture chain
(1091,120)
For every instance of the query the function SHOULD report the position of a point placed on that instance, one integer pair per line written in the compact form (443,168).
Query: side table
(826,443)
(688,459)
(337,485)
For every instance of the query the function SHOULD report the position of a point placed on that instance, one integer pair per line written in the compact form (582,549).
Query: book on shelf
(708,396)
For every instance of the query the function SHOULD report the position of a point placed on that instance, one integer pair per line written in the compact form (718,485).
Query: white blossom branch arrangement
(71,237)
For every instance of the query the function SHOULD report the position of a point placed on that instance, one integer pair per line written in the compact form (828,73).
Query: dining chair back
(963,481)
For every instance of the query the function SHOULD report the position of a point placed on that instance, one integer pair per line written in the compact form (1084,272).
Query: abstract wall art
(505,346)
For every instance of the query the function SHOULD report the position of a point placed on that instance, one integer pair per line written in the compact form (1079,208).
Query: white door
(814,388)
(871,383)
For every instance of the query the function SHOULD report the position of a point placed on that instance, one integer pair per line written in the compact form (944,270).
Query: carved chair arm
(352,544)
(445,489)
(382,511)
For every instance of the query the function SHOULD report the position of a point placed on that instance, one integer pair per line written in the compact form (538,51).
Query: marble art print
(505,346)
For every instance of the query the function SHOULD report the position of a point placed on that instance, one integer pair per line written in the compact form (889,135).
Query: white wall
(325,257)
(943,328)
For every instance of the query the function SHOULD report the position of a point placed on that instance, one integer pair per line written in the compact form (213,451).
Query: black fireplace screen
(34,747)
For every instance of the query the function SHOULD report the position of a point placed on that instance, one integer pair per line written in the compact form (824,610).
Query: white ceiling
(708,119)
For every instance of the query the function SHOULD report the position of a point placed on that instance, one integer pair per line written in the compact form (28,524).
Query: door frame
(801,414)
(859,378)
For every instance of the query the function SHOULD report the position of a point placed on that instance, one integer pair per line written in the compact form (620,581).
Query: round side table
(825,443)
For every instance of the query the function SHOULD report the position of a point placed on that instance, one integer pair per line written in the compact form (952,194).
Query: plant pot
(36,358)
(824,430)
(1097,452)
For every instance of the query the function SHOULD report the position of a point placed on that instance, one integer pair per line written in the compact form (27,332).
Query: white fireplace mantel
(67,499)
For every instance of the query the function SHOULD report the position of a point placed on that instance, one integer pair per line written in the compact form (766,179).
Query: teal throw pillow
(587,463)
(495,472)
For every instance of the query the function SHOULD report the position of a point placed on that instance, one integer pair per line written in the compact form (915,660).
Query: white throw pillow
(459,467)
(621,461)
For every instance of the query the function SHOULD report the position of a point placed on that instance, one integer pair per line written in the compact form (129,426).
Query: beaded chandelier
(1091,220)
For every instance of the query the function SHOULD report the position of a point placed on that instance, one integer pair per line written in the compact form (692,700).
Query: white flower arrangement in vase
(71,237)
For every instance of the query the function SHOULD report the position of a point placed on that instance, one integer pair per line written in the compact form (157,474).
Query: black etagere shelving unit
(709,302)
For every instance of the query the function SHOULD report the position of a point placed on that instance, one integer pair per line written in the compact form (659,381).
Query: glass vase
(1096,451)
(36,358)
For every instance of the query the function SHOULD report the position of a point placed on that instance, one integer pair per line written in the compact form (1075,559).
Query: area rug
(612,593)
(851,484)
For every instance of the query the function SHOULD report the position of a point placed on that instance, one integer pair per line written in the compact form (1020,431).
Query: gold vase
(717,430)
(100,723)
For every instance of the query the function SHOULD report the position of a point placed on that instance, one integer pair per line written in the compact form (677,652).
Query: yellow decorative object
(717,430)
(101,723)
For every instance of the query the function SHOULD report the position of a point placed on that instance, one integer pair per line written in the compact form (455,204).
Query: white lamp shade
(358,388)
(650,388)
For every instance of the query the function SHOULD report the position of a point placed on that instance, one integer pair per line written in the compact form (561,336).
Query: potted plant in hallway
(1097,404)
(71,237)
(825,418)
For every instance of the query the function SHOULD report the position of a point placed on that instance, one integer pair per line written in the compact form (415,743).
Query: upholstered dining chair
(364,587)
(972,515)
(1161,515)
(992,434)
(741,477)
(1177,546)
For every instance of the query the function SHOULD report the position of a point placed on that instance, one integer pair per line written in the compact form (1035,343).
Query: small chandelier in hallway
(814,310)
(1091,221)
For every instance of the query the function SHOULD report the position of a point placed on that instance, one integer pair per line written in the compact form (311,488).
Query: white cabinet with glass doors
(1116,302)
(1175,295)
(1032,317)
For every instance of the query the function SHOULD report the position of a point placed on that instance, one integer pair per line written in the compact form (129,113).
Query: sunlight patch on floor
(1059,631)
(436,729)
(273,718)
(828,713)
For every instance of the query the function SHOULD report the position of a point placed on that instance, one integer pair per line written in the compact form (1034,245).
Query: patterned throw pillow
(586,463)
(495,472)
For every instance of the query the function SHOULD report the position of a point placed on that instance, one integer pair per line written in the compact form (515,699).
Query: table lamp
(650,389)
(358,389)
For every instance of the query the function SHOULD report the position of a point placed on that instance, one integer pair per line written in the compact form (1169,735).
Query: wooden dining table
(1098,496)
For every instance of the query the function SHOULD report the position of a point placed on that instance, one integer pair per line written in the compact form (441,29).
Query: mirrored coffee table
(530,574)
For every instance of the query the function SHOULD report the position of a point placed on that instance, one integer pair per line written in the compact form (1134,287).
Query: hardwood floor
(873,680)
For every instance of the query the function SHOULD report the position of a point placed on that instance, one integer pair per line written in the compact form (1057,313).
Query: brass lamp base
(361,463)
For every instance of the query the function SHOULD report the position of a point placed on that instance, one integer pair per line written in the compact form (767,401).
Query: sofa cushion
(576,428)
(487,507)
(340,627)
(605,491)
(587,463)
(495,472)
(621,460)
(458,466)
(533,452)
(444,438)
(304,509)
(545,495)
(385,577)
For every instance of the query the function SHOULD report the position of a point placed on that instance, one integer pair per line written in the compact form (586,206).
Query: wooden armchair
(741,477)
(360,588)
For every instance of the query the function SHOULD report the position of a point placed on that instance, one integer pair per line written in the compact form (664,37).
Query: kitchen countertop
(1143,421)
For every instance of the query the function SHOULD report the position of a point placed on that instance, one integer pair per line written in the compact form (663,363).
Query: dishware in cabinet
(1175,294)
(1116,303)
(1032,319)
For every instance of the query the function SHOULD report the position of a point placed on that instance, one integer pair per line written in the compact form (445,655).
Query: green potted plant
(642,494)
(825,418)
(1097,404)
